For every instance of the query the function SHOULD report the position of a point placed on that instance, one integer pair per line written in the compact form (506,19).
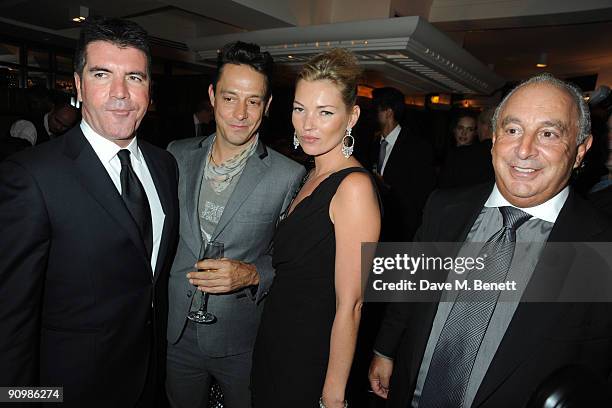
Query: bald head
(584,118)
(62,118)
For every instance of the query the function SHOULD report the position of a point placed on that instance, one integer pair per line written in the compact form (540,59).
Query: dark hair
(460,115)
(64,105)
(389,98)
(241,53)
(339,66)
(122,33)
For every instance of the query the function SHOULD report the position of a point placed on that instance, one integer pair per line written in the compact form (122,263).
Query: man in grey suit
(232,189)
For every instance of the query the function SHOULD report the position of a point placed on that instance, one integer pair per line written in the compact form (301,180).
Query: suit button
(189,293)
(149,322)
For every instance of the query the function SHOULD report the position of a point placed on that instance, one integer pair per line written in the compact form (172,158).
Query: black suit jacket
(541,338)
(467,166)
(409,178)
(183,127)
(76,285)
(10,145)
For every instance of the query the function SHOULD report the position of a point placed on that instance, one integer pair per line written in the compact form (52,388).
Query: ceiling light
(365,91)
(80,13)
(542,60)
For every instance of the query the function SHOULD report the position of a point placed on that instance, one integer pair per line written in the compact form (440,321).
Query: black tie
(135,199)
(381,155)
(460,338)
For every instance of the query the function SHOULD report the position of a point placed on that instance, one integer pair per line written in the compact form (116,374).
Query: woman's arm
(356,216)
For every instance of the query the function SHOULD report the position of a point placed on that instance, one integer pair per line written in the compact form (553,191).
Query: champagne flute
(212,250)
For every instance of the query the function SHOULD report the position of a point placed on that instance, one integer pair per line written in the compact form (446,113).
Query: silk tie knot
(513,217)
(124,157)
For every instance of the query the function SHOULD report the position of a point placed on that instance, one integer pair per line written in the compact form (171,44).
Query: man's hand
(223,275)
(379,375)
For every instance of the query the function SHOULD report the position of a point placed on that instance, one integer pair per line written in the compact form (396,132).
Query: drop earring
(348,143)
(296,142)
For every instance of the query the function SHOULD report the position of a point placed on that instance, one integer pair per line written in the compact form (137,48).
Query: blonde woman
(306,340)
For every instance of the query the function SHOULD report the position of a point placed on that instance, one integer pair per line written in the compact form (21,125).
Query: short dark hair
(389,98)
(457,116)
(122,33)
(241,53)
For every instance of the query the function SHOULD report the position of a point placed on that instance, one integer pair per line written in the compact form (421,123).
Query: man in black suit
(89,229)
(41,127)
(542,132)
(404,162)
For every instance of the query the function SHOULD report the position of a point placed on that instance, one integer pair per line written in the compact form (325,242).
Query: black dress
(292,346)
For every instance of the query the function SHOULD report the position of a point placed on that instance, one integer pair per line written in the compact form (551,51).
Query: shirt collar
(46,123)
(106,149)
(392,136)
(547,211)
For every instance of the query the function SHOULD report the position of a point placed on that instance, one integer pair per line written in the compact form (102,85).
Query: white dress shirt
(547,211)
(46,124)
(391,138)
(106,151)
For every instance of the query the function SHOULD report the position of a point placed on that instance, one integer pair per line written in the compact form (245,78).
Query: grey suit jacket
(246,229)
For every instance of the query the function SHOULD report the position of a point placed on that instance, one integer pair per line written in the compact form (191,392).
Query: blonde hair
(339,66)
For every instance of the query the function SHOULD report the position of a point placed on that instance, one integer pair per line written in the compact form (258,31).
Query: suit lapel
(95,180)
(249,179)
(193,171)
(395,152)
(162,186)
(460,215)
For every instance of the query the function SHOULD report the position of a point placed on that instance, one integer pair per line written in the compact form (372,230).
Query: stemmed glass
(212,250)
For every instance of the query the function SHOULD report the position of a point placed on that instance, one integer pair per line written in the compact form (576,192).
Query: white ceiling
(508,34)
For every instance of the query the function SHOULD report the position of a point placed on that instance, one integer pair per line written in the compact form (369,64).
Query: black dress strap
(340,175)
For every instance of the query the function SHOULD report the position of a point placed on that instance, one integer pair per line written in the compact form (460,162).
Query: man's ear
(389,115)
(267,108)
(77,83)
(582,149)
(211,95)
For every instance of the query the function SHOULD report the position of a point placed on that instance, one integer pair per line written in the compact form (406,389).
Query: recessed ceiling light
(542,60)
(80,12)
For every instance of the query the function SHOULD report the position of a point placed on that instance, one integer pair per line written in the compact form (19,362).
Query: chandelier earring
(348,143)
(296,142)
